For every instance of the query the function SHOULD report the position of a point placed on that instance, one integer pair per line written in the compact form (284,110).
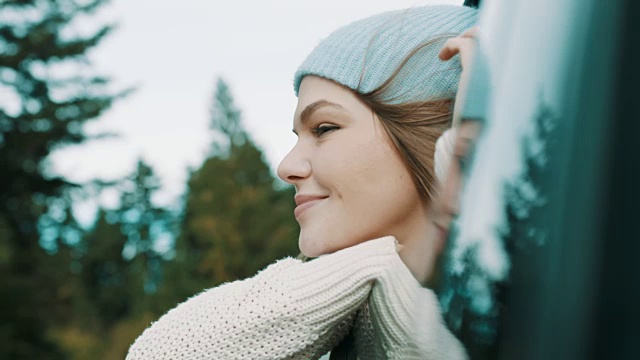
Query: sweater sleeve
(407,318)
(289,310)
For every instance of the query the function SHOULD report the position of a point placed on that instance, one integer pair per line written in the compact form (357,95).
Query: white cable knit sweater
(301,310)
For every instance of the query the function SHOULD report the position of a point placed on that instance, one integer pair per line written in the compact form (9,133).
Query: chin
(311,247)
(309,250)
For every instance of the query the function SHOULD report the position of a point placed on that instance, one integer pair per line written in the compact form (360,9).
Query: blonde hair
(414,126)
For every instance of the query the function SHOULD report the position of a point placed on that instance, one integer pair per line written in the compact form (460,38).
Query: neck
(420,248)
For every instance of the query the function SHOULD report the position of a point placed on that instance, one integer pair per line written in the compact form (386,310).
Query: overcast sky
(173,51)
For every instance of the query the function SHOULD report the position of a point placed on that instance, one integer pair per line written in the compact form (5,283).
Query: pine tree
(120,269)
(142,222)
(41,110)
(226,124)
(48,110)
(235,221)
(105,270)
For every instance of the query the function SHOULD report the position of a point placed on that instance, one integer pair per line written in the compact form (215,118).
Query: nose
(295,166)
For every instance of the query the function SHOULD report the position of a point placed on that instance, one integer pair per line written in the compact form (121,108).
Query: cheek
(381,173)
(371,193)
(371,182)
(355,167)
(451,189)
(349,170)
(334,160)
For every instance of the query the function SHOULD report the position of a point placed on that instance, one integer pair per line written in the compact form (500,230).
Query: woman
(372,100)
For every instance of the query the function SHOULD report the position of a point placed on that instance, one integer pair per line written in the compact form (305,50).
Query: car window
(520,254)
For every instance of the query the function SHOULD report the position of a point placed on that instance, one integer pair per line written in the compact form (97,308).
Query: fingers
(459,45)
(454,46)
(463,45)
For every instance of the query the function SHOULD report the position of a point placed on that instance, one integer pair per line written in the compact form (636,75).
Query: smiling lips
(304,202)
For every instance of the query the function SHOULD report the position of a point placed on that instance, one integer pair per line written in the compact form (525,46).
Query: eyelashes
(323,129)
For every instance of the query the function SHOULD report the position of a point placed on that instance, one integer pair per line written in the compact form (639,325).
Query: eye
(323,129)
(463,162)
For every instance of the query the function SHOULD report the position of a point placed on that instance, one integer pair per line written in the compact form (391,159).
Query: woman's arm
(290,310)
(407,320)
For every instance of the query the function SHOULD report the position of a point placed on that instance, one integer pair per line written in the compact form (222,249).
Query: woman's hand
(463,45)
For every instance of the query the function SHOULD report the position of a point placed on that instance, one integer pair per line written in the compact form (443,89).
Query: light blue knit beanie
(378,45)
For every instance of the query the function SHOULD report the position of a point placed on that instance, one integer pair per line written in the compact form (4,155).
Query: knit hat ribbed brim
(364,54)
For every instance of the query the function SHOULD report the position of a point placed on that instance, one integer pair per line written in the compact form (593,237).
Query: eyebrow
(313,107)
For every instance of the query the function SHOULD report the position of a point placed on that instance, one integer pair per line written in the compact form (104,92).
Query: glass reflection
(477,272)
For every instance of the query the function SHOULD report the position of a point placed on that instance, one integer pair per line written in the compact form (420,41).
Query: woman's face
(448,203)
(351,184)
